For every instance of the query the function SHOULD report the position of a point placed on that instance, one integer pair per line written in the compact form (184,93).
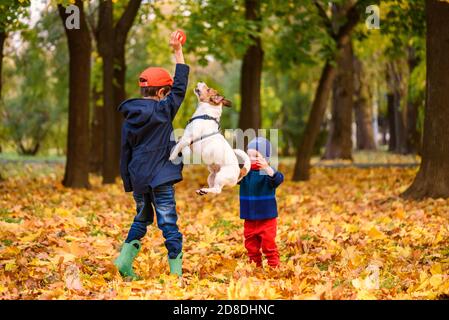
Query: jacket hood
(136,111)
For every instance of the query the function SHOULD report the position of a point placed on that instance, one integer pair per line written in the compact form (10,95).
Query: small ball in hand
(181,36)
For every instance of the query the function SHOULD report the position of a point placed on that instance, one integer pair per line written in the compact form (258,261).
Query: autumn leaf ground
(343,235)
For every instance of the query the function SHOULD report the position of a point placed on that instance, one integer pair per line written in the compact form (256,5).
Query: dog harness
(204,117)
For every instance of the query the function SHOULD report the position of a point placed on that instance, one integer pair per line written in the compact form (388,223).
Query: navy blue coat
(258,195)
(146,134)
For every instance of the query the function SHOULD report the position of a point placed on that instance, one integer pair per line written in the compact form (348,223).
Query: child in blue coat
(258,205)
(144,164)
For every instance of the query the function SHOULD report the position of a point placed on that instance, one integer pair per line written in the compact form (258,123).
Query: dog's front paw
(173,156)
(176,158)
(201,192)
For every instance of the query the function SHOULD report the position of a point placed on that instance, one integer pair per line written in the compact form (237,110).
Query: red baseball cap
(155,77)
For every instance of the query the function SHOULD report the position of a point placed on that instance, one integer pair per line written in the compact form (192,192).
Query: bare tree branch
(326,20)
(126,21)
(352,18)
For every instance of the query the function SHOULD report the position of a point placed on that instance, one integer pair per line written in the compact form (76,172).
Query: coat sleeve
(125,158)
(171,104)
(276,179)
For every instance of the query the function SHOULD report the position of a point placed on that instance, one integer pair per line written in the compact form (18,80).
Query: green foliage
(215,28)
(219,29)
(297,36)
(11,12)
(406,29)
(295,39)
(405,24)
(292,37)
(402,30)
(35,104)
(58,61)
(27,132)
(293,93)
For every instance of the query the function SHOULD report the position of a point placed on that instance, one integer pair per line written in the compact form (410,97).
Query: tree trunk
(105,40)
(432,179)
(121,31)
(383,128)
(251,74)
(339,143)
(413,137)
(396,114)
(391,121)
(29,150)
(305,149)
(363,110)
(111,46)
(79,43)
(97,130)
(119,92)
(2,44)
(302,166)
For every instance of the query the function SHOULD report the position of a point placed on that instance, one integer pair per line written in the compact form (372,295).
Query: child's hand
(175,43)
(263,164)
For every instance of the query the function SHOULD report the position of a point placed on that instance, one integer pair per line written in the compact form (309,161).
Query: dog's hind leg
(213,169)
(219,182)
(211,179)
(214,189)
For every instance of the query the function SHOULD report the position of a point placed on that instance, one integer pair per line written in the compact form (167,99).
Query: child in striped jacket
(258,205)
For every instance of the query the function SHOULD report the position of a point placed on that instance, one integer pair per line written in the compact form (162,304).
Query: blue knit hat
(262,145)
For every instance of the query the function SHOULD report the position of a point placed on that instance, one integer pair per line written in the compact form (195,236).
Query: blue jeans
(162,198)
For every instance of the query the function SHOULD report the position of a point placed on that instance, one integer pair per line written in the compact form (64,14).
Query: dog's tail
(244,162)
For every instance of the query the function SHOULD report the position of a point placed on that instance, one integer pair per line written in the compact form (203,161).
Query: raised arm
(180,81)
(176,44)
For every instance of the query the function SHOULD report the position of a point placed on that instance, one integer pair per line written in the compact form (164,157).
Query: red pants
(261,234)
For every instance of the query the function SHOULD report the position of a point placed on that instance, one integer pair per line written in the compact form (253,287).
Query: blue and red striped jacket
(258,195)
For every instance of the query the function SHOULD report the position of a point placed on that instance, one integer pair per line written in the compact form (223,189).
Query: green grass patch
(445,252)
(388,283)
(4,211)
(13,156)
(306,237)
(97,232)
(224,225)
(11,220)
(323,266)
(338,283)
(7,242)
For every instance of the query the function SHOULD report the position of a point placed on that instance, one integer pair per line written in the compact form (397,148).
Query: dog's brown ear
(227,103)
(217,99)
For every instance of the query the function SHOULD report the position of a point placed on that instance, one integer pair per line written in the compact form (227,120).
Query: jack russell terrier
(202,136)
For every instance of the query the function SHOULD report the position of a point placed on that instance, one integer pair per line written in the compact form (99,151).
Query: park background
(363,124)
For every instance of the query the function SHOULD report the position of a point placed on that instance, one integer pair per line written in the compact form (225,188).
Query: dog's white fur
(214,151)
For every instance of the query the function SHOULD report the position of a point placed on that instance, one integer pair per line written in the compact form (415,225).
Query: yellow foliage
(375,234)
(345,234)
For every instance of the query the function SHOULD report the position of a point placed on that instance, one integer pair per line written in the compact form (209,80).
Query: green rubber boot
(176,265)
(124,262)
